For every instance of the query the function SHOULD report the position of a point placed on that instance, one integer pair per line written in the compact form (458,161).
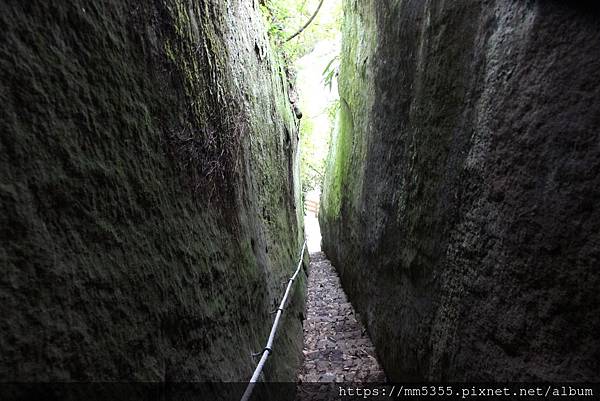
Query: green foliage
(330,71)
(332,110)
(313,158)
(311,167)
(284,17)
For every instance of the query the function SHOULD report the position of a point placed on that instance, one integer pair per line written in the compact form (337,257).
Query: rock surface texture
(148,189)
(461,198)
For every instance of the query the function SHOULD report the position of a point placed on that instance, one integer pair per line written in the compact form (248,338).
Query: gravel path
(336,346)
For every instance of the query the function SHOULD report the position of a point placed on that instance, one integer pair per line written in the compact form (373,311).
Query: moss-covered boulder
(148,191)
(461,198)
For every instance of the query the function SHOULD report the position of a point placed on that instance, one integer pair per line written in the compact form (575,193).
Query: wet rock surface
(337,347)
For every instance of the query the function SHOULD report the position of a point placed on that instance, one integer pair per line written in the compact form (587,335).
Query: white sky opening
(316,99)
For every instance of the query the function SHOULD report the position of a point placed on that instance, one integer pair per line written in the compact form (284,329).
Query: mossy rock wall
(148,188)
(460,203)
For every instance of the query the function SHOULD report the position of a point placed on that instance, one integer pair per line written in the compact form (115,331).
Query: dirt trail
(336,346)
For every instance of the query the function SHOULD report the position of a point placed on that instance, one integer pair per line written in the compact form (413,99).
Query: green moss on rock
(457,202)
(148,189)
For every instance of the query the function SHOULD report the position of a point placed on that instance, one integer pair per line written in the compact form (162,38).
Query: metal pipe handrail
(269,348)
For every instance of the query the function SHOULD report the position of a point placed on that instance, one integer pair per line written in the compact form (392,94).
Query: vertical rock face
(148,187)
(461,197)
